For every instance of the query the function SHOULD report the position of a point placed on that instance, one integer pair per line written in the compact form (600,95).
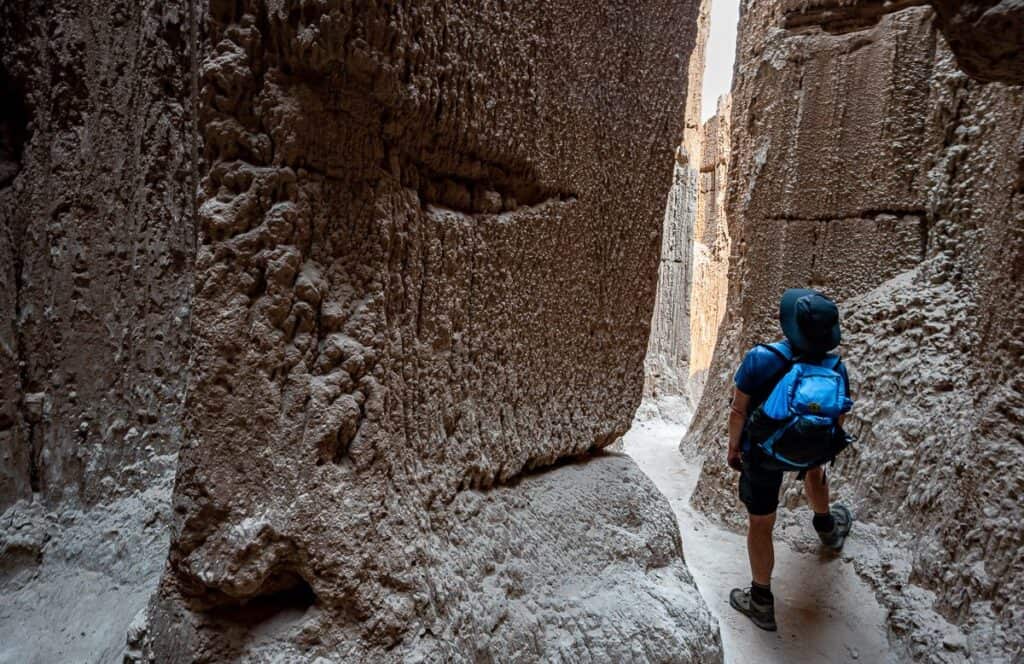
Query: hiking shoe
(762,615)
(835,538)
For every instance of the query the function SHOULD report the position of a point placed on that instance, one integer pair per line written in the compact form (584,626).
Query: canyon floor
(825,611)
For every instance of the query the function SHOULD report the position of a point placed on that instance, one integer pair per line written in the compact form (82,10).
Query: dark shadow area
(14,133)
(295,595)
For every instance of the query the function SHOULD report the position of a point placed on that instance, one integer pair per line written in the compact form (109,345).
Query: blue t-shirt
(760,365)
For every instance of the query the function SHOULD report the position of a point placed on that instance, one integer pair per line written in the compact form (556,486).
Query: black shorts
(760,482)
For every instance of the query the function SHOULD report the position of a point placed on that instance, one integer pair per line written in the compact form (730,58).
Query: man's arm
(737,417)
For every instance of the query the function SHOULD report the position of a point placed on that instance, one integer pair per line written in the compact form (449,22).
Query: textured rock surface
(711,246)
(96,244)
(866,164)
(74,579)
(95,206)
(408,279)
(694,258)
(666,389)
(578,563)
(986,36)
(693,277)
(416,277)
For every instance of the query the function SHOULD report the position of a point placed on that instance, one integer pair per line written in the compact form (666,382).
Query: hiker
(787,413)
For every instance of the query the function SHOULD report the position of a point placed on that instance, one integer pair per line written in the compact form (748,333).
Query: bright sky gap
(721,51)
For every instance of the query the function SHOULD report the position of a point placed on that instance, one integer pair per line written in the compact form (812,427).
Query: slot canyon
(339,331)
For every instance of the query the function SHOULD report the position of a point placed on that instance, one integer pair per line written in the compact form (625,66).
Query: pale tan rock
(666,387)
(711,247)
(692,278)
(694,258)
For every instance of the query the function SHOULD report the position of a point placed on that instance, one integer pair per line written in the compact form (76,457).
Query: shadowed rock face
(412,250)
(986,36)
(96,239)
(417,277)
(866,164)
(97,190)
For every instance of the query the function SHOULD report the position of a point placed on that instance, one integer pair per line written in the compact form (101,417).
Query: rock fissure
(14,128)
(867,215)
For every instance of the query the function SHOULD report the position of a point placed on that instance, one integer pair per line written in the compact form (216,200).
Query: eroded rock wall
(97,184)
(986,36)
(866,164)
(711,247)
(96,204)
(416,280)
(666,388)
(694,259)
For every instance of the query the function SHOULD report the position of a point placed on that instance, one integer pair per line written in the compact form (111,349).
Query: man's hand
(734,459)
(737,417)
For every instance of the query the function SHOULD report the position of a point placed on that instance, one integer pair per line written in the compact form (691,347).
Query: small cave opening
(14,127)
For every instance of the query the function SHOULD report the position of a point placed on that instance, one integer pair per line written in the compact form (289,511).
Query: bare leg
(816,490)
(760,549)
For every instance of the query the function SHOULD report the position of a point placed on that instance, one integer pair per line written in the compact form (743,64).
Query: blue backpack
(797,424)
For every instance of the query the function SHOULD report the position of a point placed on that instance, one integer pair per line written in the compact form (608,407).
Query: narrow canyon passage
(825,611)
(316,316)
(861,153)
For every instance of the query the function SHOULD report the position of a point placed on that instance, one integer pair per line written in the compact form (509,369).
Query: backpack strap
(787,364)
(778,353)
(758,398)
(846,378)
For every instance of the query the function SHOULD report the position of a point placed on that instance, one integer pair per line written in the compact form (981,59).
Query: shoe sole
(768,627)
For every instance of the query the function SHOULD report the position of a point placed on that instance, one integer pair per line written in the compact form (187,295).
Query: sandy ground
(825,611)
(71,581)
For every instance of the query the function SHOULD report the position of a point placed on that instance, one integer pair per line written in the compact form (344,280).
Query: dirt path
(825,612)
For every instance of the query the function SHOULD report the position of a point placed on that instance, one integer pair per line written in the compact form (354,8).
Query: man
(810,322)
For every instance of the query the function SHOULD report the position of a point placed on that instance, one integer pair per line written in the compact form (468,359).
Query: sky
(721,50)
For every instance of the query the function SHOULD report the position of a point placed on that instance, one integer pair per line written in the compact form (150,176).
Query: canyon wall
(416,283)
(711,247)
(362,276)
(694,258)
(96,243)
(867,165)
(96,204)
(985,36)
(666,388)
